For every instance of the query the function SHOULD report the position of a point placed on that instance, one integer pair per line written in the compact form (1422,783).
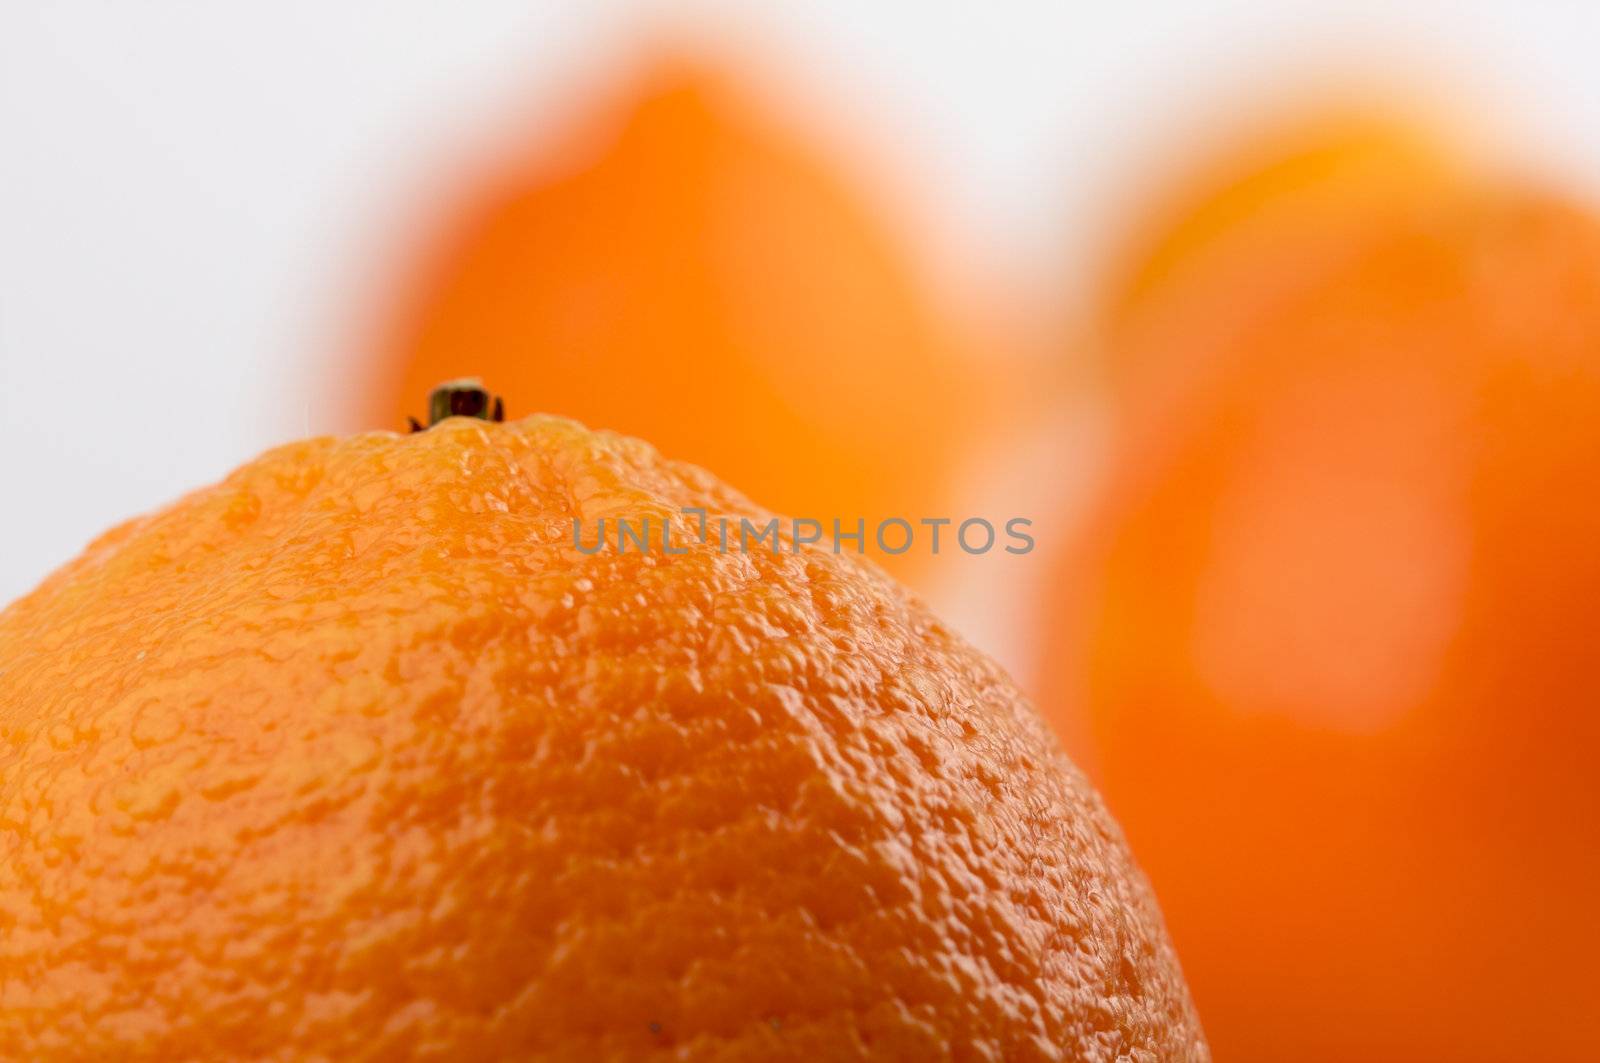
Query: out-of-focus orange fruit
(1262,217)
(1332,635)
(690,269)
(356,755)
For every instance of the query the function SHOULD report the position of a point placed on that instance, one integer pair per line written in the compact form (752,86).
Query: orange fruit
(356,755)
(1332,618)
(689,268)
(1277,205)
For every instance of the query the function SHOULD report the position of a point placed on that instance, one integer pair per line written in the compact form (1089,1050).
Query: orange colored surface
(354,755)
(1272,211)
(1337,618)
(687,269)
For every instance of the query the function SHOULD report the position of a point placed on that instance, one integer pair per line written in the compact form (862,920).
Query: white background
(193,196)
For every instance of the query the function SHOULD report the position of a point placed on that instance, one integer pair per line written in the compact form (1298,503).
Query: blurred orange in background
(1284,199)
(1331,631)
(689,269)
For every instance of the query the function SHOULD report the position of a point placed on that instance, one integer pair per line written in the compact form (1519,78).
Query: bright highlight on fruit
(1332,617)
(351,755)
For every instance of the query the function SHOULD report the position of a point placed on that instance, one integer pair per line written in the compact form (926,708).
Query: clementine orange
(1333,644)
(358,754)
(689,268)
(1281,202)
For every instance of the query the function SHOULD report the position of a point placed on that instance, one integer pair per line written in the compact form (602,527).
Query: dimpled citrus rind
(354,755)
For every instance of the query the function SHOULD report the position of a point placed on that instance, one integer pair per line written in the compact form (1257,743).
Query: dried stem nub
(466,397)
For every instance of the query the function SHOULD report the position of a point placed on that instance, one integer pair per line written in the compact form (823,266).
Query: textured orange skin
(685,268)
(353,755)
(1339,666)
